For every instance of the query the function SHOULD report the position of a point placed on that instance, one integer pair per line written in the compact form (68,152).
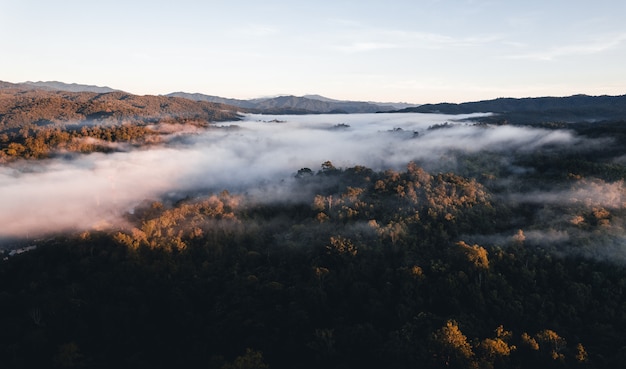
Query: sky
(416,51)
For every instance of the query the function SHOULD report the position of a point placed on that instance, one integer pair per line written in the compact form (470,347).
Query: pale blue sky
(415,51)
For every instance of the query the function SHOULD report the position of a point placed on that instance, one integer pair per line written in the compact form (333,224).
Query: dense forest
(476,265)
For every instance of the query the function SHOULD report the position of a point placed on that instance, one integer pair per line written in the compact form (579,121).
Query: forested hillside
(35,122)
(570,109)
(377,270)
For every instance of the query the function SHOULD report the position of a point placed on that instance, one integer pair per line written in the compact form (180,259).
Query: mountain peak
(319,98)
(292,104)
(70,87)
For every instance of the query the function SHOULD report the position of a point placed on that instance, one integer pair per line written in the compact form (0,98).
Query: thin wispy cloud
(597,46)
(257,30)
(363,40)
(366,46)
(435,40)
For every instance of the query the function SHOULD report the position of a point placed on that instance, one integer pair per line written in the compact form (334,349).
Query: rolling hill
(576,108)
(24,104)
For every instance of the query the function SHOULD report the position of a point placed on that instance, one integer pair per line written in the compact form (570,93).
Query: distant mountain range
(70,87)
(577,108)
(297,104)
(308,104)
(395,105)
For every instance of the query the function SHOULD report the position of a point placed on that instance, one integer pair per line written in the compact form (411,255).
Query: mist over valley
(306,185)
(258,155)
(166,231)
(79,191)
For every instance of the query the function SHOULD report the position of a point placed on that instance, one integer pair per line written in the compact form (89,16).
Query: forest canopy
(375,270)
(418,241)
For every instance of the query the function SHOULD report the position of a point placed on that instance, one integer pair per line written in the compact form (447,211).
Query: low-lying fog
(87,191)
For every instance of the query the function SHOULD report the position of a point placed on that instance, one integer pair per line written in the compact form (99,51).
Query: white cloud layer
(89,191)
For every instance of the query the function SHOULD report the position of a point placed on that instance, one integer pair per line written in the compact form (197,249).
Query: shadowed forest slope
(571,109)
(375,270)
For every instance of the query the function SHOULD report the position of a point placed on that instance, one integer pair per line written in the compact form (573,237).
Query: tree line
(40,143)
